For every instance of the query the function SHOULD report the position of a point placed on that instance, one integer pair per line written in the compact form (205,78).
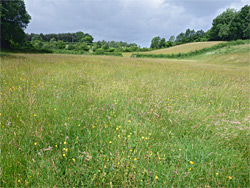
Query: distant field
(99,121)
(184,48)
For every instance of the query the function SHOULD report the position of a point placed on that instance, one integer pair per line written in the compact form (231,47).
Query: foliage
(66,37)
(14,18)
(155,42)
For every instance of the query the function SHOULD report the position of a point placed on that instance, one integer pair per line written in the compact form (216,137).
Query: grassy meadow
(99,121)
(184,48)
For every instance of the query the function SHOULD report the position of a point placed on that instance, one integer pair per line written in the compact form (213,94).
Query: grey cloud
(123,20)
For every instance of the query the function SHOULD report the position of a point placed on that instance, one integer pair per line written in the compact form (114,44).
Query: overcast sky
(133,21)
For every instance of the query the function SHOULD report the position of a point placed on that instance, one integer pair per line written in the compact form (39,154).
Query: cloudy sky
(125,20)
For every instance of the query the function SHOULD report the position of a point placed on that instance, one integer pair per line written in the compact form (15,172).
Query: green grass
(99,121)
(197,53)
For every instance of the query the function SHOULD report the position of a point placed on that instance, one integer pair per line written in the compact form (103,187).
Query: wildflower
(230,177)
(129,121)
(79,125)
(64,155)
(135,159)
(190,168)
(35,143)
(65,142)
(55,109)
(191,162)
(134,172)
(73,160)
(19,181)
(117,128)
(118,163)
(156,177)
(159,158)
(34,115)
(110,142)
(149,134)
(56,146)
(0,114)
(179,149)
(119,136)
(217,173)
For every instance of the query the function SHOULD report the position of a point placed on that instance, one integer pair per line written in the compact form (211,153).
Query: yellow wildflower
(217,173)
(191,162)
(230,177)
(156,177)
(35,143)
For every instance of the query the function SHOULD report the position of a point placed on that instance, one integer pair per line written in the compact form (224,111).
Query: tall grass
(86,121)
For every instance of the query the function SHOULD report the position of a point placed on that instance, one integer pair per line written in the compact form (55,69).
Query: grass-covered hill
(201,50)
(184,48)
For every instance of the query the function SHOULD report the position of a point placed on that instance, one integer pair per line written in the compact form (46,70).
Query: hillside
(184,48)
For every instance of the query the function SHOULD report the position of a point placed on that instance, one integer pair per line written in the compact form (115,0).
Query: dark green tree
(14,19)
(162,43)
(221,25)
(155,42)
(240,26)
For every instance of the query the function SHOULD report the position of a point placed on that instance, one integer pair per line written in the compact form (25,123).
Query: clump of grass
(96,121)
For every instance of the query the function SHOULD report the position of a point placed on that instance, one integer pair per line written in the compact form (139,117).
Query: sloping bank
(192,53)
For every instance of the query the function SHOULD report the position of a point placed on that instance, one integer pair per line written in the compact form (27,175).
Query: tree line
(228,26)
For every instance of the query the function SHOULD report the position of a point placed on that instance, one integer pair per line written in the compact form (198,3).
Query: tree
(61,44)
(172,38)
(87,39)
(155,42)
(221,24)
(240,27)
(14,19)
(162,43)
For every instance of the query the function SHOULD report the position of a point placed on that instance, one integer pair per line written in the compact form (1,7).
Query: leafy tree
(60,44)
(14,19)
(105,46)
(84,47)
(155,42)
(221,24)
(37,37)
(172,38)
(88,39)
(162,43)
(240,26)
(79,36)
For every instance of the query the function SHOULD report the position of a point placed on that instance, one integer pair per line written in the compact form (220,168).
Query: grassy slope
(124,122)
(184,48)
